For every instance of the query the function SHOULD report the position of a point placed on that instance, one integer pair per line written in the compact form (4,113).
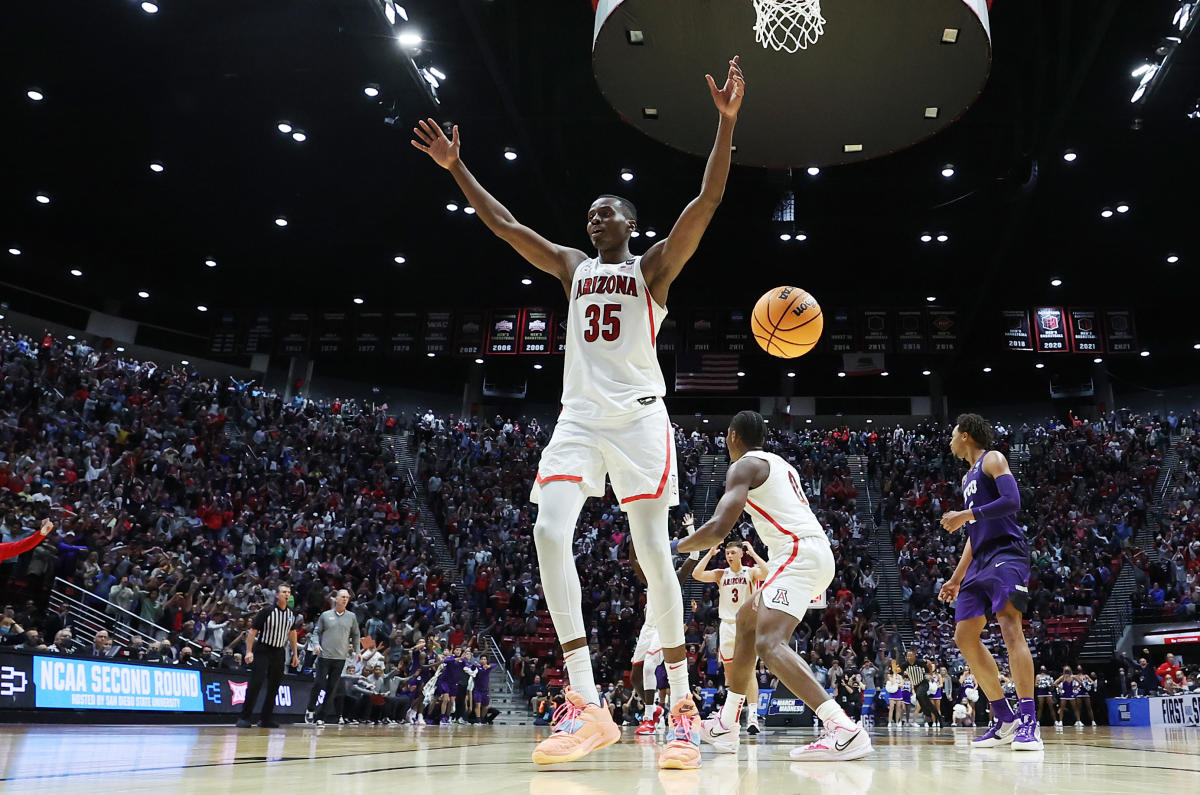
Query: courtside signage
(68,683)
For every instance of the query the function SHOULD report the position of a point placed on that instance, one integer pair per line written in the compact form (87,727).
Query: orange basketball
(787,322)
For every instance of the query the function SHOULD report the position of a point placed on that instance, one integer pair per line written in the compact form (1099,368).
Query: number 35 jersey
(612,328)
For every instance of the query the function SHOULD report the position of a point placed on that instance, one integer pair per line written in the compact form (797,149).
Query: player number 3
(611,323)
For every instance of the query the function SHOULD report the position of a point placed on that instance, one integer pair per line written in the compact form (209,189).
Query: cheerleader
(892,688)
(1084,687)
(971,691)
(935,694)
(1044,690)
(906,700)
(1066,697)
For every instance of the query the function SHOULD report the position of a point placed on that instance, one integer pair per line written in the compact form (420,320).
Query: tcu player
(737,585)
(799,568)
(613,420)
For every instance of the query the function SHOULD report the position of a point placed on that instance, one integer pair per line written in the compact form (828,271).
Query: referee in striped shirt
(917,674)
(271,630)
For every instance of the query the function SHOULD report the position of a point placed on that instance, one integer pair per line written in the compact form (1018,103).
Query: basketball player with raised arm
(613,420)
(992,580)
(799,567)
(736,585)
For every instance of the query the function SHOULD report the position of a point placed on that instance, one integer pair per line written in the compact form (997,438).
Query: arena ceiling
(201,87)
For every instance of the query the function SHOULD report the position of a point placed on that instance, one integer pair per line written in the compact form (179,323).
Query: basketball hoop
(788,25)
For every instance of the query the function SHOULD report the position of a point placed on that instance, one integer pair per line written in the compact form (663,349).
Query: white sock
(677,676)
(579,672)
(731,712)
(830,712)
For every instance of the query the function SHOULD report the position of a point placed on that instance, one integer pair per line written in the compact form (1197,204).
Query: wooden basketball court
(465,759)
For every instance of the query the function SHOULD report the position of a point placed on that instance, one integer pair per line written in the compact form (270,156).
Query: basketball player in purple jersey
(991,580)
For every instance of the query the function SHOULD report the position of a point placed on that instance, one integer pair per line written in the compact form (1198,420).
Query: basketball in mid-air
(787,322)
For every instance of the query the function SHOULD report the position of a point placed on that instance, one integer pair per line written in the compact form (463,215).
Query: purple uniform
(451,676)
(479,693)
(999,569)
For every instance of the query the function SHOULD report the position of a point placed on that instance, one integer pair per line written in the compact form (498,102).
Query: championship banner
(1018,336)
(1119,331)
(259,334)
(737,331)
(702,331)
(436,332)
(667,339)
(503,330)
(943,330)
(910,332)
(876,331)
(402,333)
(839,331)
(535,331)
(1084,328)
(332,334)
(368,334)
(863,363)
(294,337)
(468,334)
(560,334)
(1050,326)
(223,341)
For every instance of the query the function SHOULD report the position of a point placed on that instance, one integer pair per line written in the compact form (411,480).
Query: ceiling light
(409,38)
(359,301)
(527,281)
(1070,156)
(201,308)
(431,354)
(184,362)
(791,374)
(626,175)
(42,198)
(469,210)
(948,170)
(75,272)
(284,127)
(150,8)
(801,237)
(299,136)
(70,336)
(785,237)
(742,373)
(35,95)
(943,237)
(651,233)
(371,90)
(1106,213)
(987,369)
(510,154)
(212,263)
(1196,347)
(120,349)
(537,367)
(1039,365)
(931,298)
(926,238)
(1172,259)
(869,419)
(479,361)
(808,420)
(841,375)
(1144,354)
(1122,208)
(813,171)
(926,372)
(400,259)
(16,252)
(438,73)
(281,221)
(885,374)
(1097,360)
(635,233)
(157,167)
(452,206)
(143,294)
(1056,282)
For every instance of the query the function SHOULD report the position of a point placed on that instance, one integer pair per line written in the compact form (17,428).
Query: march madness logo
(780,597)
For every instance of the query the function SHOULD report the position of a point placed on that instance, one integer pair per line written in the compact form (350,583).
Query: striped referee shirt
(916,672)
(274,624)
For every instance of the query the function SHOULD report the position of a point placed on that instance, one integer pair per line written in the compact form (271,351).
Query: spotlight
(431,354)
(1172,259)
(359,301)
(299,136)
(409,38)
(785,237)
(42,198)
(1056,282)
(452,206)
(926,372)
(479,361)
(869,420)
(841,375)
(143,294)
(70,336)
(635,233)
(1106,213)
(1144,354)
(212,263)
(35,95)
(885,374)
(926,238)
(626,175)
(510,154)
(801,237)
(527,281)
(987,369)
(1196,347)
(438,73)
(1097,360)
(1122,208)
(284,127)
(150,8)
(943,237)
(75,272)
(931,298)
(281,221)
(808,420)
(16,252)
(157,167)
(184,362)
(651,233)
(791,374)
(201,308)
(1039,365)
(1070,156)
(400,259)
(742,373)
(948,170)
(371,90)
(120,349)
(537,367)
(813,171)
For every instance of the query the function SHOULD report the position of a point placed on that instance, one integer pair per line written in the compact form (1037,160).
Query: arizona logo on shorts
(780,597)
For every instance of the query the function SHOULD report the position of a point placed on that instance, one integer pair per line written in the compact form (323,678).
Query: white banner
(1175,710)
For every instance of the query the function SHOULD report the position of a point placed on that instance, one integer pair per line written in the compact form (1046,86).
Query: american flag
(706,372)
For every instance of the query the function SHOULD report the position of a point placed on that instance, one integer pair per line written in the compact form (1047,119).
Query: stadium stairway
(1101,642)
(892,608)
(710,485)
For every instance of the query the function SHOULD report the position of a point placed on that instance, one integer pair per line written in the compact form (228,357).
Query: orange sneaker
(683,750)
(579,729)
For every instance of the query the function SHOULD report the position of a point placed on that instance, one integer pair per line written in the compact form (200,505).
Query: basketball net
(788,25)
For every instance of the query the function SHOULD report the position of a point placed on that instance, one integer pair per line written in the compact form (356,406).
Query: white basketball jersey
(612,327)
(735,588)
(779,509)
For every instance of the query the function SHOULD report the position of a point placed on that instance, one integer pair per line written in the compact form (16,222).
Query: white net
(788,25)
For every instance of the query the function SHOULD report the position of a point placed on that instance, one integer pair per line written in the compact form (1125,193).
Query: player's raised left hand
(952,520)
(728,99)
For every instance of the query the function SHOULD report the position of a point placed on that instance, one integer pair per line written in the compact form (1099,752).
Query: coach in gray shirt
(337,638)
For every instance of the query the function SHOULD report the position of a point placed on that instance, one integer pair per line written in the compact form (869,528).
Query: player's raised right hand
(432,141)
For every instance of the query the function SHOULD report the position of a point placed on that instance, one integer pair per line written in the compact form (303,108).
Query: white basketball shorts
(796,573)
(728,636)
(648,648)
